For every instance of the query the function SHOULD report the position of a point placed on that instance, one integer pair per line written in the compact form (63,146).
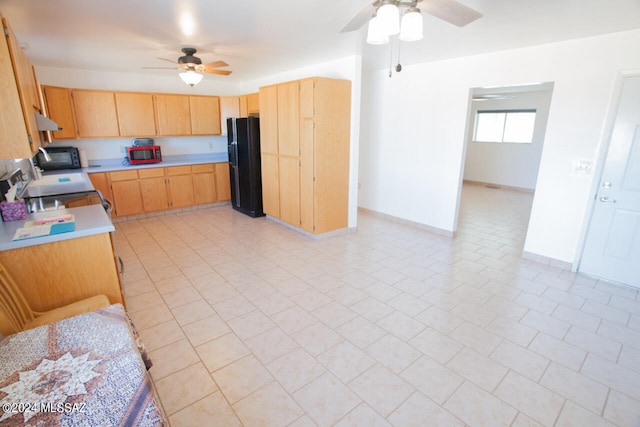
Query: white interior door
(612,247)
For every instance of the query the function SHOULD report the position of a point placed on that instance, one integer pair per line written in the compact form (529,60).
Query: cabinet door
(205,115)
(332,106)
(100,182)
(153,188)
(270,184)
(253,103)
(229,107)
(288,120)
(136,116)
(204,183)
(60,110)
(95,113)
(172,114)
(307,173)
(269,119)
(289,171)
(127,197)
(180,186)
(223,185)
(14,140)
(23,77)
(244,106)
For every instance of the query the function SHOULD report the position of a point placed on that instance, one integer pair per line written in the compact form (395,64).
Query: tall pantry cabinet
(304,134)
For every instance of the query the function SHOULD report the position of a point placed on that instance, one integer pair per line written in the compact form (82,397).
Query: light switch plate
(582,167)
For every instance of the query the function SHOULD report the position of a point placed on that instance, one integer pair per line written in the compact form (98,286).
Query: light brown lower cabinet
(126,193)
(153,189)
(180,185)
(204,184)
(136,191)
(223,184)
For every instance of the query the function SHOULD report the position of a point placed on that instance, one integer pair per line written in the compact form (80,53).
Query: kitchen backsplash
(115,148)
(98,149)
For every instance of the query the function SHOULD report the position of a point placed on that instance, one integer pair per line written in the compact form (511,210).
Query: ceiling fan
(191,67)
(385,19)
(450,11)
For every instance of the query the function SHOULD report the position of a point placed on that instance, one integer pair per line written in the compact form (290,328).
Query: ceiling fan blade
(160,68)
(451,11)
(215,64)
(361,18)
(221,72)
(168,60)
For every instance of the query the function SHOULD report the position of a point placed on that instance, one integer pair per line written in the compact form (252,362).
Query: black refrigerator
(244,165)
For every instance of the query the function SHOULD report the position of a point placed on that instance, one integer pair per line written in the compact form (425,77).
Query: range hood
(45,124)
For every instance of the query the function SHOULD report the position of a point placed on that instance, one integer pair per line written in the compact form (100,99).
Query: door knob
(607,199)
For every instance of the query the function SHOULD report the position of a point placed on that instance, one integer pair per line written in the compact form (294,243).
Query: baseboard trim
(547,260)
(338,232)
(168,211)
(498,186)
(407,222)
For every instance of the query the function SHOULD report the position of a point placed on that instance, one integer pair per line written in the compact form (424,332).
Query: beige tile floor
(251,323)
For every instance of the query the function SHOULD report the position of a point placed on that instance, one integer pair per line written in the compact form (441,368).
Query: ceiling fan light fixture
(376,33)
(411,25)
(389,15)
(190,77)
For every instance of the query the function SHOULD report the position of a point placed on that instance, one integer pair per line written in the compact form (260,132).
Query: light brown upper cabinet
(249,104)
(136,114)
(173,115)
(229,107)
(205,115)
(253,103)
(60,110)
(96,115)
(19,136)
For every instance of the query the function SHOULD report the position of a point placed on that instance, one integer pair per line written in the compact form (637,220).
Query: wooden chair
(22,317)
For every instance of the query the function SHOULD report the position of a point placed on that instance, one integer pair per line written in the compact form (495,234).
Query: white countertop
(89,220)
(111,165)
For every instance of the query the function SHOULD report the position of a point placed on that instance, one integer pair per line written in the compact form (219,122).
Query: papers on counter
(46,227)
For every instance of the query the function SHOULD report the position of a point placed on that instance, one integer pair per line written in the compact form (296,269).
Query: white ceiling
(260,38)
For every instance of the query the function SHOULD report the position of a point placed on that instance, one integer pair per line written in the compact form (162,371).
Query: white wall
(508,164)
(413,130)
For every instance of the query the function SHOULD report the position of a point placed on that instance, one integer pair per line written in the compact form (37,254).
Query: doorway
(507,157)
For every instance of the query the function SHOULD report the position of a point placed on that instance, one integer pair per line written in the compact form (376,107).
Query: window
(505,126)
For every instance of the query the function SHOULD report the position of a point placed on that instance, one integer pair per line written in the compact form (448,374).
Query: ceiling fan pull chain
(390,59)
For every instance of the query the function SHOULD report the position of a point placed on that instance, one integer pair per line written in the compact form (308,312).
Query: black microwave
(61,158)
